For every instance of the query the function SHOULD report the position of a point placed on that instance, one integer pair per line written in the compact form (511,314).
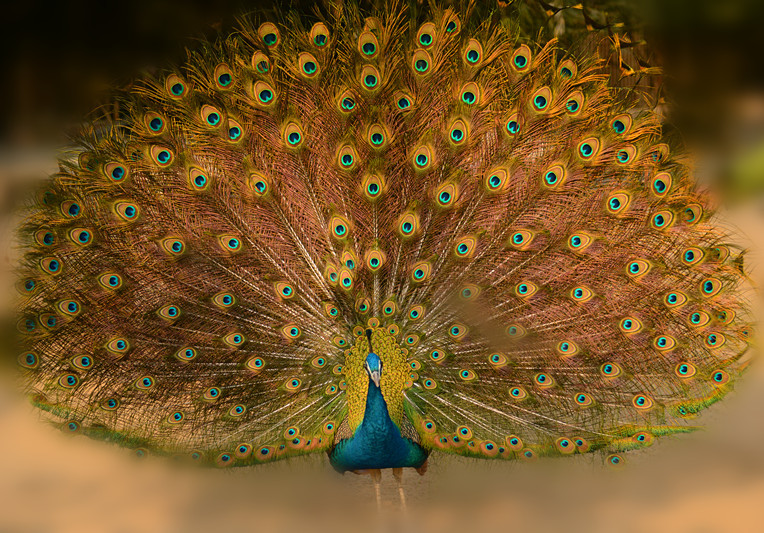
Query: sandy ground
(711,481)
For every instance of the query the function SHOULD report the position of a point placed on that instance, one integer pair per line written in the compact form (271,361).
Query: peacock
(379,233)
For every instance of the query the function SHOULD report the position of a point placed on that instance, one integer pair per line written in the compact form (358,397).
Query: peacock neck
(376,418)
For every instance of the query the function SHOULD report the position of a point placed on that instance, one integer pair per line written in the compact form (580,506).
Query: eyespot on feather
(173,246)
(211,116)
(223,77)
(198,179)
(308,64)
(588,148)
(224,299)
(71,209)
(162,156)
(83,362)
(175,86)
(319,35)
(660,185)
(234,339)
(575,103)
(426,35)
(630,325)
(611,370)
(565,445)
(346,157)
(685,370)
(473,53)
(512,125)
(421,63)
(521,59)
(264,94)
(255,364)
(81,236)
(446,194)
(691,214)
(617,203)
(155,123)
(497,180)
(370,78)
(291,332)
(664,343)
(554,176)
(541,100)
(469,292)
(421,271)
(458,132)
(621,124)
(470,94)
(662,220)
(581,294)
(526,289)
(269,34)
(457,331)
(127,211)
(710,287)
(110,280)
(293,135)
(579,241)
(422,157)
(693,256)
(408,224)
(642,402)
(116,172)
(186,354)
(368,46)
(567,348)
(637,268)
(465,247)
(626,155)
(542,380)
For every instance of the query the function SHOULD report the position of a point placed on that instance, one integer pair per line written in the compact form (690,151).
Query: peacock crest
(507,232)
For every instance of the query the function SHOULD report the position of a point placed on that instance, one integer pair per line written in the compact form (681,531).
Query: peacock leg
(376,476)
(398,475)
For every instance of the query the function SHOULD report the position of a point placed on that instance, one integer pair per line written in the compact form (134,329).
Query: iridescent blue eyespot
(370,81)
(117,173)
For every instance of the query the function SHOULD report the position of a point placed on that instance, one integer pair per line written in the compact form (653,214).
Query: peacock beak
(374,376)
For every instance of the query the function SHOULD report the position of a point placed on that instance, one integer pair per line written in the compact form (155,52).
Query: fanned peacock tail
(540,275)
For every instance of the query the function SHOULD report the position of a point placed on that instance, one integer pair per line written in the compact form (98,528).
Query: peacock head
(373,363)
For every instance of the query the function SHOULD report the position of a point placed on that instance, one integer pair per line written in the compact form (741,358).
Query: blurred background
(62,60)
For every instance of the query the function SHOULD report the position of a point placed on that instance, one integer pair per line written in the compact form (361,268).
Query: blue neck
(377,442)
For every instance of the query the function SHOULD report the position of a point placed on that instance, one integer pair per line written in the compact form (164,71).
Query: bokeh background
(61,62)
